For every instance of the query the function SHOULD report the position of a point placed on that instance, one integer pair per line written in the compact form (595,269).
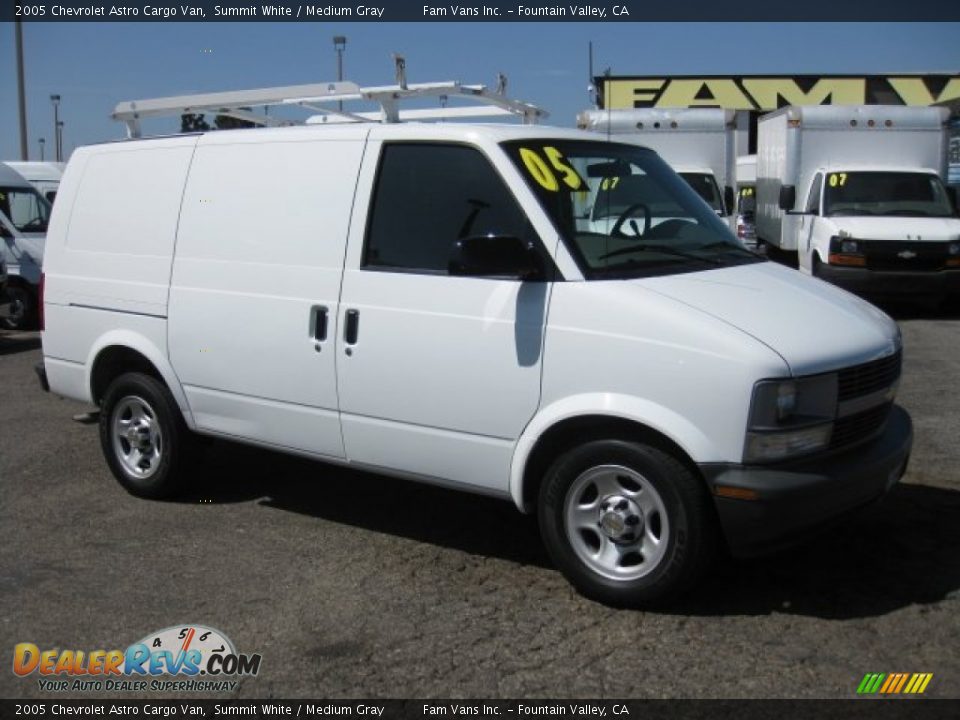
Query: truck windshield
(622,211)
(25,208)
(705,185)
(747,200)
(904,194)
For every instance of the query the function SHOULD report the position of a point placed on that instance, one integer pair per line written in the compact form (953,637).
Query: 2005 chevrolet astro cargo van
(419,300)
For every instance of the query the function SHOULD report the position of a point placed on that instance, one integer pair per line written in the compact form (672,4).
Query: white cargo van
(698,143)
(44,176)
(417,300)
(23,226)
(858,193)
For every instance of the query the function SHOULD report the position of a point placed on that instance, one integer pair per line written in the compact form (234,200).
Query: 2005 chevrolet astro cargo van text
(434,302)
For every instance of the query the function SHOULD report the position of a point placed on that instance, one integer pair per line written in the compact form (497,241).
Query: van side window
(428,196)
(813,200)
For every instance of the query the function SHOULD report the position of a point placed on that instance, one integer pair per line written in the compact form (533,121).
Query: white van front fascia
(612,405)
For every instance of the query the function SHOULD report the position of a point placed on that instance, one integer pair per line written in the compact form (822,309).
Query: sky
(92,66)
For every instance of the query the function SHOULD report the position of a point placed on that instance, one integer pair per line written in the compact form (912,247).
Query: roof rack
(238,104)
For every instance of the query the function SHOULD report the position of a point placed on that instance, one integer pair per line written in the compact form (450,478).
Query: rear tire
(143,436)
(627,523)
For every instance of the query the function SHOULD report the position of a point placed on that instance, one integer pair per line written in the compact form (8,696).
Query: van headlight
(789,418)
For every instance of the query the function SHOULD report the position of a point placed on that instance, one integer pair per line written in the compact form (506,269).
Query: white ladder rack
(315,97)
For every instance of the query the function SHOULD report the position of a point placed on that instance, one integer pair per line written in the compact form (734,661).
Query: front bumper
(797,498)
(883,282)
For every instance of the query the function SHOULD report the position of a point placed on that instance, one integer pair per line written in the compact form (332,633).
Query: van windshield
(25,208)
(622,211)
(903,194)
(705,185)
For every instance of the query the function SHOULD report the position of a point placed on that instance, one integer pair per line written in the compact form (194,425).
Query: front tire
(23,308)
(143,436)
(815,266)
(627,523)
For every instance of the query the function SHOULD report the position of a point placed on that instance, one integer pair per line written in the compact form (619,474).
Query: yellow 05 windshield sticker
(546,169)
(837,179)
(746,192)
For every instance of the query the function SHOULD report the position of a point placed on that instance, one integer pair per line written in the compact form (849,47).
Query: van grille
(905,256)
(861,426)
(869,377)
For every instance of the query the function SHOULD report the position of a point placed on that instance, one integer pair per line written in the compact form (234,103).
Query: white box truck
(698,143)
(858,193)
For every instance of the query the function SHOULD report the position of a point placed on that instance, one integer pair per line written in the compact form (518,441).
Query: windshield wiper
(907,213)
(665,249)
(729,247)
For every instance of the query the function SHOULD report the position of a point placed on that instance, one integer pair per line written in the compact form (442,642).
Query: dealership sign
(765,92)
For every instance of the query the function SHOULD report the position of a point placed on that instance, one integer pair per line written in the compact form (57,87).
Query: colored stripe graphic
(891,682)
(870,683)
(900,684)
(894,683)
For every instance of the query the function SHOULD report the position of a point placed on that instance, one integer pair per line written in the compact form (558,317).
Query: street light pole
(59,140)
(42,141)
(21,93)
(339,45)
(55,99)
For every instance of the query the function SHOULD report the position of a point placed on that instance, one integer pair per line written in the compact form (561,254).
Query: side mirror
(728,199)
(496,256)
(788,197)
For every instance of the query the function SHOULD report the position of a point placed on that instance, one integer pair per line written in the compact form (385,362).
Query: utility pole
(55,99)
(42,141)
(21,92)
(339,45)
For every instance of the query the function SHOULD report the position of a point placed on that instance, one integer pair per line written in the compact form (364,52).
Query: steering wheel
(33,222)
(670,228)
(626,215)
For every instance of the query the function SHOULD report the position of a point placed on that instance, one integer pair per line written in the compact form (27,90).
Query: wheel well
(575,431)
(114,361)
(17,280)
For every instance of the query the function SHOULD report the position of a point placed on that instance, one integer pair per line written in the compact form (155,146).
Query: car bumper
(41,371)
(793,500)
(878,282)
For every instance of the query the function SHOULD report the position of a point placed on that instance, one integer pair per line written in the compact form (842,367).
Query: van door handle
(351,327)
(318,322)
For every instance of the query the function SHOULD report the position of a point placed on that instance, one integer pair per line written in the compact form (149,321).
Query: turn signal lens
(849,260)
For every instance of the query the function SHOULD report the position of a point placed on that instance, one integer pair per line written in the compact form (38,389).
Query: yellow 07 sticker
(545,171)
(838,179)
